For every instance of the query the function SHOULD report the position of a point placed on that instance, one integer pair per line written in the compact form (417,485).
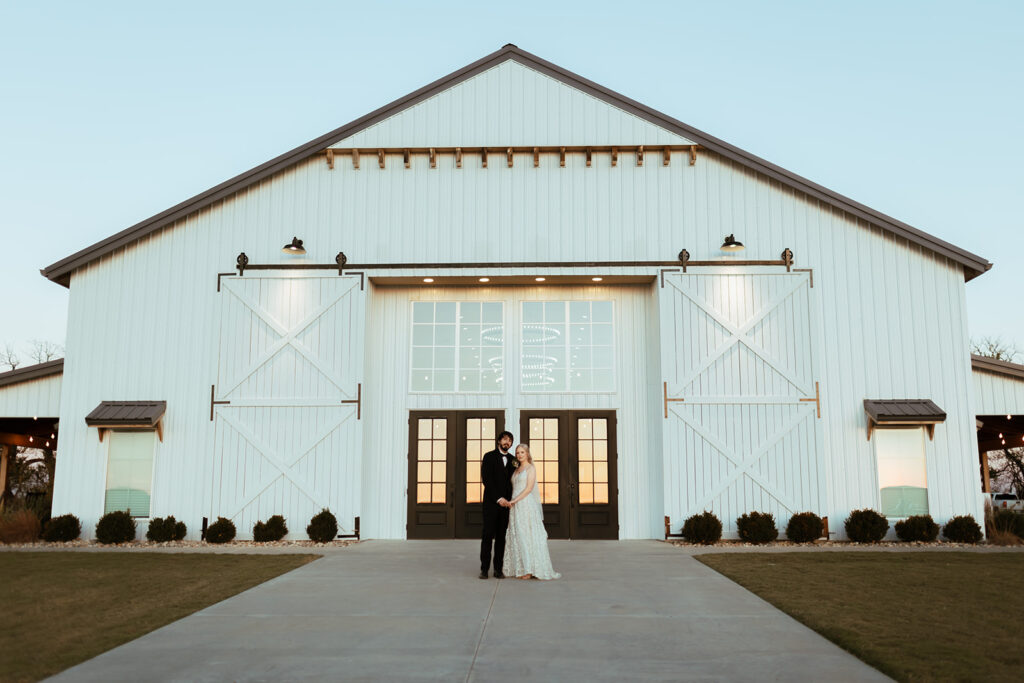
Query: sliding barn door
(741,409)
(287,402)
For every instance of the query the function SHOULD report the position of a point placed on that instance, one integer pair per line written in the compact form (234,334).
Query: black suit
(497,480)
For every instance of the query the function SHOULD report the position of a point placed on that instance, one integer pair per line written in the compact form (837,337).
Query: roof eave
(60,272)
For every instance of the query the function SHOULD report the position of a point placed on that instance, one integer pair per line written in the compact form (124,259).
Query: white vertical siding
(511,104)
(635,399)
(34,398)
(997,394)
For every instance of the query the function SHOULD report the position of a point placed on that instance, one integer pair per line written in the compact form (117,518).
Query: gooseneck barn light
(732,244)
(295,247)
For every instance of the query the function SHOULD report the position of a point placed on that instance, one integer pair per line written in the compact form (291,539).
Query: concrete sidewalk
(414,610)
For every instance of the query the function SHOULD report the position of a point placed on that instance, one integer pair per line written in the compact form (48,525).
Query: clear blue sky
(112,112)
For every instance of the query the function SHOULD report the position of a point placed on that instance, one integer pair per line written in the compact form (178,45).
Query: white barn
(514,246)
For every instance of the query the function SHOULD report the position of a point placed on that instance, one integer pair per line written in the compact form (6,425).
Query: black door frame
(569,518)
(455,518)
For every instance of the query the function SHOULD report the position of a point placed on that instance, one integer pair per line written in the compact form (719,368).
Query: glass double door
(574,452)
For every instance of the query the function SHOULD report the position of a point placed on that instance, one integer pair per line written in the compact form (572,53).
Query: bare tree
(995,347)
(41,351)
(9,357)
(1006,470)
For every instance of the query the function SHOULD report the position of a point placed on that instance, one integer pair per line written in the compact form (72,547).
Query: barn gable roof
(61,271)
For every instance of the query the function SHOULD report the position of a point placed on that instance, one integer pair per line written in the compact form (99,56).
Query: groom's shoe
(483,575)
(499,575)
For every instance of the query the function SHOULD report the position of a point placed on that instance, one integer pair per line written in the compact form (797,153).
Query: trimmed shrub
(273,530)
(757,527)
(866,526)
(704,528)
(805,527)
(221,531)
(164,529)
(1009,521)
(962,529)
(115,527)
(62,529)
(917,528)
(20,526)
(323,528)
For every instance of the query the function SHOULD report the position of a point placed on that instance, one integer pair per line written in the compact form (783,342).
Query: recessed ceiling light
(539,279)
(596,279)
(485,279)
(428,279)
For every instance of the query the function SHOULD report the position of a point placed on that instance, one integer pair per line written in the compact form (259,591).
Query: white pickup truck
(1007,501)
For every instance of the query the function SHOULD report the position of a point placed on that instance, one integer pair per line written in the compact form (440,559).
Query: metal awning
(903,412)
(128,415)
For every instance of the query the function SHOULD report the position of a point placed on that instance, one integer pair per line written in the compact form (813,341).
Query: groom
(496,474)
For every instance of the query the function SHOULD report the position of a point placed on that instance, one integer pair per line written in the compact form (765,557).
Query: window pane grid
(567,346)
(457,346)
(432,460)
(592,447)
(544,450)
(479,436)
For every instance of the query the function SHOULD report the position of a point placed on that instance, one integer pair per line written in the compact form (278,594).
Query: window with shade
(567,346)
(129,472)
(902,477)
(457,346)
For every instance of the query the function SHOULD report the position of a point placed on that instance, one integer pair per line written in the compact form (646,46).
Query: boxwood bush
(866,526)
(323,528)
(804,527)
(164,529)
(115,527)
(273,530)
(221,531)
(757,527)
(917,528)
(962,529)
(1008,520)
(62,529)
(704,528)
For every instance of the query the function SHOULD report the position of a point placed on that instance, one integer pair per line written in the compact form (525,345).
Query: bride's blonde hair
(529,458)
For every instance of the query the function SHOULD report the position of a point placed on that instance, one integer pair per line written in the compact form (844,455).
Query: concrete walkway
(414,610)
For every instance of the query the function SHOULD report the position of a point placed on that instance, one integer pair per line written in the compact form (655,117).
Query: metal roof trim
(60,272)
(997,367)
(31,372)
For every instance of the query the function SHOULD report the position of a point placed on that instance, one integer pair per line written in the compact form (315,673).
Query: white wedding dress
(526,543)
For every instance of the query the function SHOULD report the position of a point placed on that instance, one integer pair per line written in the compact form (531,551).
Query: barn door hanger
(785,259)
(242,263)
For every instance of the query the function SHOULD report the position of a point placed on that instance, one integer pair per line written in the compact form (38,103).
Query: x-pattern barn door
(741,395)
(287,402)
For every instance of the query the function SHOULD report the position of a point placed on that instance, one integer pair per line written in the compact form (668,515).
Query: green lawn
(61,608)
(918,616)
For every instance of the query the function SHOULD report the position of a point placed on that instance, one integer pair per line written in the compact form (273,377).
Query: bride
(526,546)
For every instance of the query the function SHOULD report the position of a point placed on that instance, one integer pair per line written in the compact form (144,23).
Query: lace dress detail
(526,544)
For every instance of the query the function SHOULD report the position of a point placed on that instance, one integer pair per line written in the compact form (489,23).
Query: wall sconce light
(596,279)
(428,279)
(732,244)
(539,279)
(485,279)
(295,247)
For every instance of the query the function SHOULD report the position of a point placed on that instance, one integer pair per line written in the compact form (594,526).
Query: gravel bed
(184,546)
(839,546)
